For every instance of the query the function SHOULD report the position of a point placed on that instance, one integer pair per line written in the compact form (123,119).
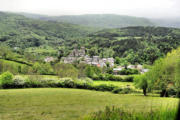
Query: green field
(69,104)
(116,83)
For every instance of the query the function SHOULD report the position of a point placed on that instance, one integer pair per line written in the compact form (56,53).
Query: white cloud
(145,8)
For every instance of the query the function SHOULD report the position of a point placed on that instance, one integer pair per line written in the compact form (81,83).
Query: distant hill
(97,20)
(167,22)
(108,20)
(19,31)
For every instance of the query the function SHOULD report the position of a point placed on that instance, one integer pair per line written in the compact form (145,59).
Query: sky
(139,8)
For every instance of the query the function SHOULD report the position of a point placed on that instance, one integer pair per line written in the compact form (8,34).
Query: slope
(97,20)
(19,31)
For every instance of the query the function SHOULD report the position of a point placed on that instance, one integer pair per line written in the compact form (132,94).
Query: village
(80,56)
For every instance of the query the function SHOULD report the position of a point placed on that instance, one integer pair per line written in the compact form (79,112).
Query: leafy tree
(36,68)
(1,66)
(6,79)
(117,60)
(165,73)
(93,52)
(141,82)
(43,69)
(66,70)
(92,71)
(81,70)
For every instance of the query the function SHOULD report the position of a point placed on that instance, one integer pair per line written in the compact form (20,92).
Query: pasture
(70,104)
(115,83)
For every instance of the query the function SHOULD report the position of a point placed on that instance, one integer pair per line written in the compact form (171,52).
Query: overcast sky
(141,8)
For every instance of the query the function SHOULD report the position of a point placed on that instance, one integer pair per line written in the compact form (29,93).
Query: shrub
(67,83)
(104,87)
(126,91)
(171,91)
(18,82)
(95,77)
(128,79)
(128,72)
(84,83)
(111,77)
(88,80)
(33,81)
(6,80)
(117,90)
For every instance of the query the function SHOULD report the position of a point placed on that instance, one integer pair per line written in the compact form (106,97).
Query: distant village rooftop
(80,55)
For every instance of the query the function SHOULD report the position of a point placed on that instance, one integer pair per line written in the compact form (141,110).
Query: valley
(87,67)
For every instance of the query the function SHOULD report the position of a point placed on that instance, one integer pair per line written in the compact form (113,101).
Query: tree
(66,70)
(165,72)
(141,82)
(1,66)
(6,79)
(92,71)
(36,67)
(93,51)
(117,60)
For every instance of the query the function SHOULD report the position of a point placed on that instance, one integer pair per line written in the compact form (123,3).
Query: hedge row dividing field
(70,104)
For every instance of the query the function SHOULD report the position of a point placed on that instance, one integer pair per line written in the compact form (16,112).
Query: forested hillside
(19,31)
(136,44)
(133,44)
(97,20)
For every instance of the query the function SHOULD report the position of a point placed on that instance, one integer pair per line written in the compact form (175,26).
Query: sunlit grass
(70,104)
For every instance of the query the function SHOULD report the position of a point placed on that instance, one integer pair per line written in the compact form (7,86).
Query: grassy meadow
(115,83)
(70,104)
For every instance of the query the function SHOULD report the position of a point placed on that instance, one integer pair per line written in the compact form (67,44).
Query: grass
(10,62)
(41,50)
(121,114)
(69,104)
(116,83)
(12,66)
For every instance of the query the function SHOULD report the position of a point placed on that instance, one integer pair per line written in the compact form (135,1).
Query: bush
(67,83)
(35,81)
(126,91)
(128,79)
(117,90)
(107,77)
(128,72)
(85,83)
(88,80)
(171,91)
(104,87)
(6,80)
(18,82)
(122,90)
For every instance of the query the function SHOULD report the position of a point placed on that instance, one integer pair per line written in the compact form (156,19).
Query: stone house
(80,55)
(49,59)
(116,70)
